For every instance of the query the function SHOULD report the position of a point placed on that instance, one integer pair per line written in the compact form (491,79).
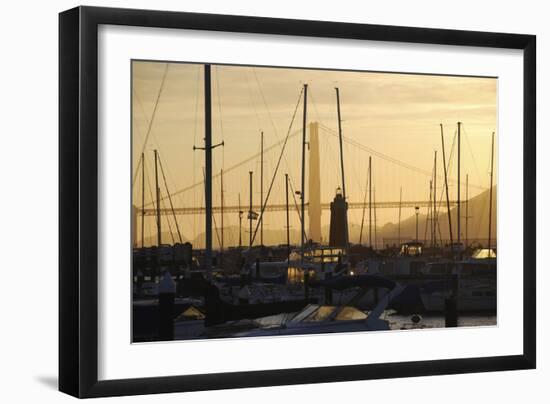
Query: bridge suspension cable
(383,156)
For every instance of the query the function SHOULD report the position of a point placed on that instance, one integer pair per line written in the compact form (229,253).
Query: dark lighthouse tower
(338,221)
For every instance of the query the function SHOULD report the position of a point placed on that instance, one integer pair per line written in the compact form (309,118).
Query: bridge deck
(282,207)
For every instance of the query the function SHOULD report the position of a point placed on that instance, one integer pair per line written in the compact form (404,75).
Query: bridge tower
(314,209)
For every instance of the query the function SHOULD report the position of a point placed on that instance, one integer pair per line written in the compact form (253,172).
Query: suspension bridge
(282,207)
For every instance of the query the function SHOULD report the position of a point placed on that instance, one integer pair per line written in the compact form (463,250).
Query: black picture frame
(78,200)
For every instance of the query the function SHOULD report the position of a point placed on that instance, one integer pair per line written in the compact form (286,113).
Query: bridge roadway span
(282,207)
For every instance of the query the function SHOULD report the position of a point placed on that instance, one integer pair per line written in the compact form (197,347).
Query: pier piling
(167,294)
(451,315)
(306,284)
(328,290)
(451,306)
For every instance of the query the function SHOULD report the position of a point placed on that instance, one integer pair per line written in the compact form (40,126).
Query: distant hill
(166,239)
(478,223)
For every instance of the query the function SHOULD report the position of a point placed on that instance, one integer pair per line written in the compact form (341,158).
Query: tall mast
(466,217)
(341,143)
(370,201)
(342,161)
(374,200)
(287,220)
(170,201)
(221,213)
(458,195)
(159,233)
(399,221)
(491,189)
(262,190)
(363,215)
(429,219)
(240,223)
(446,186)
(303,190)
(142,199)
(434,211)
(208,165)
(250,213)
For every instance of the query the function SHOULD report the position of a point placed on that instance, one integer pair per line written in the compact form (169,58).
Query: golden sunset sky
(396,115)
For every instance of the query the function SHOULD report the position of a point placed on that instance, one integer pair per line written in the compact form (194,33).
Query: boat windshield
(310,308)
(321,314)
(350,313)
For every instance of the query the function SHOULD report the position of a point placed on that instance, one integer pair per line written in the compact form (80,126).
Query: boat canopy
(333,313)
(191,313)
(482,253)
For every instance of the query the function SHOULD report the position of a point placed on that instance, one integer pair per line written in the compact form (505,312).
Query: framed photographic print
(251,201)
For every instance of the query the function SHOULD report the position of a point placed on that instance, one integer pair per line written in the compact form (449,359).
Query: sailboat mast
(466,217)
(159,232)
(142,199)
(446,187)
(303,190)
(287,221)
(342,161)
(208,165)
(429,220)
(240,223)
(399,218)
(434,211)
(262,189)
(458,194)
(170,201)
(250,213)
(491,189)
(370,201)
(341,142)
(363,214)
(374,200)
(221,212)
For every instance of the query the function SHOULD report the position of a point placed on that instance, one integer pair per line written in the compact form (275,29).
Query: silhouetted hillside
(478,222)
(478,211)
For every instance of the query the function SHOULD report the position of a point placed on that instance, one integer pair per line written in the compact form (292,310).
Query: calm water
(398,321)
